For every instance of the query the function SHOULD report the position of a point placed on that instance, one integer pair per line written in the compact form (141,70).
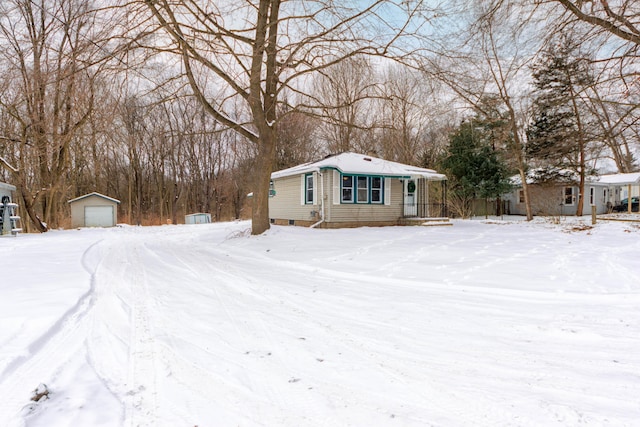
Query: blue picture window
(362,189)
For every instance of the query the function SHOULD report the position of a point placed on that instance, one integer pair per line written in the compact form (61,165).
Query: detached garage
(94,210)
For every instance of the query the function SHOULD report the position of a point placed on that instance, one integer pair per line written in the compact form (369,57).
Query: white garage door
(98,216)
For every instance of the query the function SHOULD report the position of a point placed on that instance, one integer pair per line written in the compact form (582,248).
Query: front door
(410,202)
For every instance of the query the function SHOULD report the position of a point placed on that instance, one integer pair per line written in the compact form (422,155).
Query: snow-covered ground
(485,323)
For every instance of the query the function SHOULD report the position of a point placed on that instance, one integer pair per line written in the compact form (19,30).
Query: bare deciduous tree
(406,109)
(490,63)
(620,18)
(343,99)
(252,51)
(612,38)
(298,141)
(52,51)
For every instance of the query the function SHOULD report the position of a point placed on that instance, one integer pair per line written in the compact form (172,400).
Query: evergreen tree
(557,138)
(476,170)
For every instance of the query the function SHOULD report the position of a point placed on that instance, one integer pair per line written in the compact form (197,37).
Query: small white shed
(94,210)
(197,218)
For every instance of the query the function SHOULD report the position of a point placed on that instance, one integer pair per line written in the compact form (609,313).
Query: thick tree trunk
(580,210)
(582,164)
(518,152)
(264,109)
(29,207)
(527,198)
(263,168)
(522,164)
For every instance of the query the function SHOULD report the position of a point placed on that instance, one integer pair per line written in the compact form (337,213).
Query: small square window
(568,196)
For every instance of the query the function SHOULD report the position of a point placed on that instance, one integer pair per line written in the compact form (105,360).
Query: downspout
(321,201)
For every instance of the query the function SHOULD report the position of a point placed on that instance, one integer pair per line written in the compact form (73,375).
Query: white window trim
(372,189)
(353,190)
(387,191)
(303,189)
(385,188)
(365,189)
(565,195)
(337,191)
(308,179)
(315,188)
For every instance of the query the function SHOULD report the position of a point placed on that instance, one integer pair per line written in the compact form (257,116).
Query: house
(352,190)
(94,210)
(621,186)
(559,195)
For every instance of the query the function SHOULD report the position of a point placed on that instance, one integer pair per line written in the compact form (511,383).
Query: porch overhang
(627,181)
(428,176)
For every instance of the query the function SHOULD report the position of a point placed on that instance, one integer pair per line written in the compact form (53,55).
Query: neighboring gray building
(621,186)
(559,199)
(560,196)
(94,210)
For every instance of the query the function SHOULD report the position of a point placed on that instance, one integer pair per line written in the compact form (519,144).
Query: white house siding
(600,200)
(286,205)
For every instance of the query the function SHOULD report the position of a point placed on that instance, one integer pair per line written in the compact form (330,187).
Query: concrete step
(426,221)
(431,222)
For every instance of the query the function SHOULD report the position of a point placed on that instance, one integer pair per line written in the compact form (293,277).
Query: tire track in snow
(247,324)
(141,400)
(616,268)
(54,348)
(439,400)
(248,311)
(170,368)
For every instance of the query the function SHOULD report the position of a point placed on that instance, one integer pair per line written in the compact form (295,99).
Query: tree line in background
(188,106)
